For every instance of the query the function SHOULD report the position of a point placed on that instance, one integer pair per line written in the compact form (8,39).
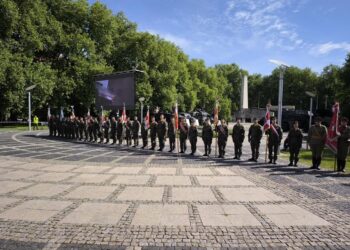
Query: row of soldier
(104,129)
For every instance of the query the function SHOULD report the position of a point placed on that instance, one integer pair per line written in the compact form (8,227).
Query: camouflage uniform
(343,146)
(238,138)
(254,137)
(192,135)
(207,136)
(317,138)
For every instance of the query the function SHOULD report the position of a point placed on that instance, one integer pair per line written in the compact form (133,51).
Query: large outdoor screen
(115,90)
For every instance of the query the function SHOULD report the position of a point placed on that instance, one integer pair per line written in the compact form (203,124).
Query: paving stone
(96,213)
(223,181)
(192,194)
(131,179)
(51,177)
(173,180)
(161,215)
(91,178)
(226,215)
(16,244)
(291,215)
(34,165)
(18,174)
(91,192)
(311,192)
(249,194)
(142,194)
(91,169)
(35,210)
(225,171)
(4,201)
(44,190)
(165,171)
(60,168)
(125,170)
(197,171)
(9,186)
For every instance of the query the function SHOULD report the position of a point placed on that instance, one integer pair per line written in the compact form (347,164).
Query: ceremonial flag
(216,112)
(176,116)
(147,122)
(124,118)
(331,142)
(267,123)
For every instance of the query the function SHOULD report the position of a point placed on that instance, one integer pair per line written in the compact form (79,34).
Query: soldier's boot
(318,163)
(343,166)
(313,163)
(339,165)
(296,161)
(290,160)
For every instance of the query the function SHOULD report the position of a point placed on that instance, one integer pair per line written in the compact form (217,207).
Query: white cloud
(326,48)
(179,41)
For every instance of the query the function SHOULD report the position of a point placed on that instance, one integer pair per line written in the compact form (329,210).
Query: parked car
(188,118)
(201,116)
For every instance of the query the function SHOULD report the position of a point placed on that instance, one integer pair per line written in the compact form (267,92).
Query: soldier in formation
(222,131)
(183,135)
(317,139)
(254,138)
(274,133)
(135,131)
(162,128)
(172,134)
(192,135)
(153,133)
(343,142)
(294,141)
(144,133)
(238,133)
(207,137)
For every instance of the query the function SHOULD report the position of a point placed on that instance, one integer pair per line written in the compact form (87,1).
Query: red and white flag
(331,142)
(267,123)
(124,118)
(176,116)
(216,113)
(147,120)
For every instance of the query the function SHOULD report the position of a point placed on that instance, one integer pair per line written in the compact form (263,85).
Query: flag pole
(266,144)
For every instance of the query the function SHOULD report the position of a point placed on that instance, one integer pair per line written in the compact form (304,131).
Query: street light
(141,99)
(282,67)
(29,106)
(312,95)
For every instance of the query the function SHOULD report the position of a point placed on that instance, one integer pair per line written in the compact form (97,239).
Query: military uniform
(95,129)
(86,128)
(294,139)
(120,132)
(81,125)
(317,138)
(222,139)
(128,132)
(153,134)
(144,134)
(343,146)
(171,135)
(207,137)
(106,126)
(161,132)
(50,123)
(113,131)
(183,137)
(192,135)
(135,132)
(238,138)
(254,137)
(274,141)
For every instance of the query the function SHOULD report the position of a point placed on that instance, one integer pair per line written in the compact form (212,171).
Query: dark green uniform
(161,132)
(113,131)
(274,141)
(192,135)
(120,132)
(153,134)
(183,137)
(106,126)
(171,136)
(50,123)
(144,134)
(81,126)
(222,139)
(135,132)
(317,138)
(86,129)
(343,146)
(295,140)
(128,133)
(238,133)
(95,129)
(207,137)
(254,137)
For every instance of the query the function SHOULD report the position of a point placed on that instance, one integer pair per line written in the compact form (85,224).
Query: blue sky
(304,33)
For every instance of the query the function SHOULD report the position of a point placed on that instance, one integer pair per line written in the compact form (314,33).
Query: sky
(302,33)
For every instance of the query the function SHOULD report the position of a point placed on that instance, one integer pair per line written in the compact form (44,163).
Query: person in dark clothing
(275,134)
(183,135)
(238,138)
(106,126)
(317,138)
(95,129)
(128,132)
(113,130)
(135,131)
(343,142)
(294,139)
(153,133)
(81,128)
(144,132)
(172,134)
(120,131)
(162,128)
(222,130)
(192,135)
(207,137)
(254,138)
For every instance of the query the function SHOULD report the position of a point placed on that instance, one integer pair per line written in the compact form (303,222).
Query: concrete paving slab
(51,177)
(142,194)
(286,215)
(161,215)
(173,180)
(91,192)
(44,190)
(225,171)
(9,186)
(193,194)
(90,178)
(249,194)
(197,171)
(35,210)
(223,181)
(60,168)
(125,170)
(226,215)
(96,213)
(4,201)
(19,174)
(160,171)
(91,169)
(131,179)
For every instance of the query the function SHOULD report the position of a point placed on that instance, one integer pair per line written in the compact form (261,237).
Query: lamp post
(30,106)
(282,67)
(141,99)
(311,95)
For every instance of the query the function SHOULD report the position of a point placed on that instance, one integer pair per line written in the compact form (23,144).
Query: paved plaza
(62,194)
